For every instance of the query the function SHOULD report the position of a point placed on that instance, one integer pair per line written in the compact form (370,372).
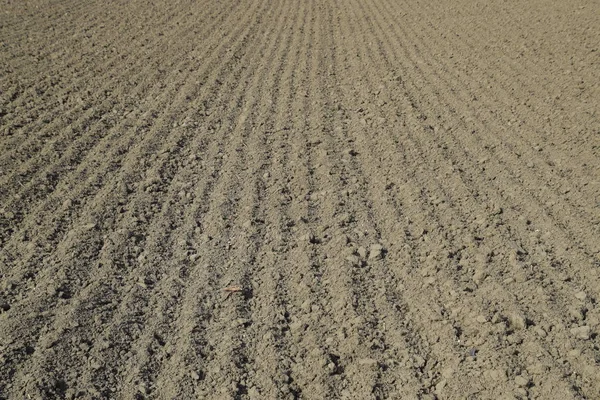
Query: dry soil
(405,192)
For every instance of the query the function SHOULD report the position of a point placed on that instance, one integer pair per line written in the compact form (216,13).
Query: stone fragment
(581,296)
(376,252)
(362,252)
(522,381)
(479,276)
(448,373)
(517,321)
(297,326)
(540,331)
(195,376)
(353,260)
(538,369)
(441,385)
(367,362)
(581,332)
(253,393)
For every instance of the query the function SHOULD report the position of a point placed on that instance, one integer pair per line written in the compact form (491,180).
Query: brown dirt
(407,194)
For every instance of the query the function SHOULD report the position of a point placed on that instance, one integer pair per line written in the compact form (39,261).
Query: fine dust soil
(405,192)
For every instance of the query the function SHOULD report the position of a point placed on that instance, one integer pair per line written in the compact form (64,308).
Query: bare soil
(402,196)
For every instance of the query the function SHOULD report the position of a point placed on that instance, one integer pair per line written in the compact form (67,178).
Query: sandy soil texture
(402,195)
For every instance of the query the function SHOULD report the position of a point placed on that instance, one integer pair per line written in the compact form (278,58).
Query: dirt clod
(517,321)
(581,296)
(376,252)
(581,332)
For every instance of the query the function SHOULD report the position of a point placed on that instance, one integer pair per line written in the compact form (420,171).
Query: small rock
(362,252)
(368,362)
(481,319)
(581,295)
(354,260)
(521,393)
(540,331)
(306,306)
(575,353)
(310,238)
(204,238)
(447,373)
(419,361)
(497,210)
(441,385)
(496,318)
(522,381)
(84,346)
(376,252)
(581,332)
(576,313)
(497,375)
(538,369)
(479,276)
(297,326)
(253,393)
(517,321)
(243,322)
(514,339)
(143,388)
(89,226)
(195,376)
(345,219)
(430,281)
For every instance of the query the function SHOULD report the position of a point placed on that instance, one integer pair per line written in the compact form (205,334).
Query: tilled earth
(402,195)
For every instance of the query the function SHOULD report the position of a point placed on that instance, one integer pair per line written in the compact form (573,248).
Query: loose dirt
(342,199)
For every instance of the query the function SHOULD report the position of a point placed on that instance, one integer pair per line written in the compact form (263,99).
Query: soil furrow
(428,146)
(102,133)
(150,178)
(245,123)
(525,234)
(77,77)
(156,119)
(413,97)
(389,297)
(298,200)
(495,156)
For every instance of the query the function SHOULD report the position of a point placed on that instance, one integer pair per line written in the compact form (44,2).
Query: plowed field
(402,196)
